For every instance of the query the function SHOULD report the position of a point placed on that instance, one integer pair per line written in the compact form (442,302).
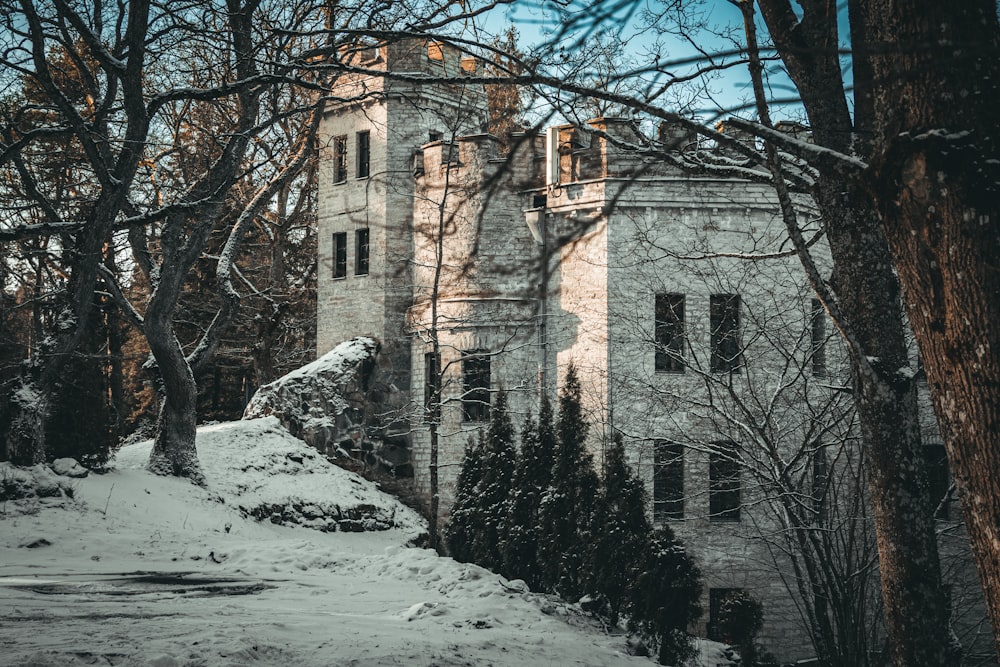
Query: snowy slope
(217,588)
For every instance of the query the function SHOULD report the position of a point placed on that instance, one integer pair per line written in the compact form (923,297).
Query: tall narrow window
(670,333)
(817,320)
(363,145)
(668,480)
(936,462)
(725,321)
(340,158)
(724,483)
(361,257)
(432,379)
(340,255)
(475,387)
(820,483)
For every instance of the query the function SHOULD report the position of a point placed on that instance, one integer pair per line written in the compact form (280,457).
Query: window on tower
(361,259)
(475,386)
(727,355)
(669,314)
(668,480)
(363,148)
(724,483)
(340,158)
(340,255)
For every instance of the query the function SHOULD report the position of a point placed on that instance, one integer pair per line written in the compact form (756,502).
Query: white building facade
(676,297)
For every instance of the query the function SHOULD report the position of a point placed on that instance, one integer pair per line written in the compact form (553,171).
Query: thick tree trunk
(937,182)
(27,414)
(174,451)
(916,607)
(868,296)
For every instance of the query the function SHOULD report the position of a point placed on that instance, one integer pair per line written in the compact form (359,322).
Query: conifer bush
(622,532)
(663,598)
(463,525)
(532,476)
(493,490)
(566,514)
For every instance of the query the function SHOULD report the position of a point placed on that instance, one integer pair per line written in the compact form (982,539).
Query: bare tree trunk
(916,606)
(937,185)
(174,451)
(870,309)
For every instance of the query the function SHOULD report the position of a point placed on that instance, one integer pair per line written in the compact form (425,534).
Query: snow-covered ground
(151,571)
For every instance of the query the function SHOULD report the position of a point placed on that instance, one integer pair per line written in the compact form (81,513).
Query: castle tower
(368,141)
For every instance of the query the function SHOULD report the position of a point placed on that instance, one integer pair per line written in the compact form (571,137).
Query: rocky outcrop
(335,405)
(323,402)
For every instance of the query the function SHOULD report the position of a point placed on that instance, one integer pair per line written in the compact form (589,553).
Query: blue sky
(538,20)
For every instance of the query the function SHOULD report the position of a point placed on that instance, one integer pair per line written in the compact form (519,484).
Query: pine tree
(462,526)
(492,493)
(532,475)
(663,598)
(622,532)
(567,509)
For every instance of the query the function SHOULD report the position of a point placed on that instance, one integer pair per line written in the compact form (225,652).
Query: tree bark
(936,181)
(174,451)
(916,607)
(868,298)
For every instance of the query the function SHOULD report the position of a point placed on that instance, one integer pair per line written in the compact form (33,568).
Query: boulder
(68,468)
(325,403)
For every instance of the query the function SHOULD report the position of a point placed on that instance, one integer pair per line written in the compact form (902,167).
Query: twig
(108,501)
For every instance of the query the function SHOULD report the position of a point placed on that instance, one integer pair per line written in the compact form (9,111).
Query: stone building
(675,296)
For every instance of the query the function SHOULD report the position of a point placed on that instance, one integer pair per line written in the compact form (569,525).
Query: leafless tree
(163,103)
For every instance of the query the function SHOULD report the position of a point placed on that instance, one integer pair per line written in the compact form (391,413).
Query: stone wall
(400,116)
(474,258)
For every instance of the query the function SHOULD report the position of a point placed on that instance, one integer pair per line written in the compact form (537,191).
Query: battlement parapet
(468,157)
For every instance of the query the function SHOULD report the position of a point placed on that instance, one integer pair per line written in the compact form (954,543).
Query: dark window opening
(669,333)
(340,159)
(539,201)
(434,135)
(817,319)
(716,598)
(820,483)
(361,256)
(668,480)
(340,255)
(432,379)
(938,484)
(475,387)
(363,141)
(727,357)
(724,483)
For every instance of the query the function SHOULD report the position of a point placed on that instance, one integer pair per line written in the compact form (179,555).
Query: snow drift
(139,570)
